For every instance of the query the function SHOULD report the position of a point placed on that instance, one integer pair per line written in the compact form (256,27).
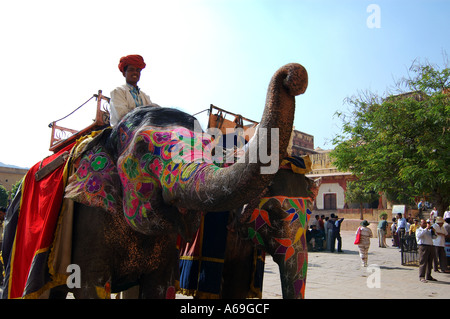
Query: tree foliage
(357,193)
(401,144)
(14,189)
(3,196)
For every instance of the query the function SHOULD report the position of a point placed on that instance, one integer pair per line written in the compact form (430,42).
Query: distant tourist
(439,245)
(364,242)
(337,234)
(381,231)
(424,237)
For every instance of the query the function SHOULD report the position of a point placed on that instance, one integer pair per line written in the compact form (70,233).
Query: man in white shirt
(424,237)
(447,214)
(433,214)
(401,226)
(127,97)
(439,245)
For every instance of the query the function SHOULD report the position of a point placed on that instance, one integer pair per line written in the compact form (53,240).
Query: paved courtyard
(341,276)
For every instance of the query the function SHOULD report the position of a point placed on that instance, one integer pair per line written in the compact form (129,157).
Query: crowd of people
(324,232)
(427,236)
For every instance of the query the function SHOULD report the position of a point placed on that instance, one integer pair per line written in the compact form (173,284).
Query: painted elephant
(275,222)
(278,225)
(139,184)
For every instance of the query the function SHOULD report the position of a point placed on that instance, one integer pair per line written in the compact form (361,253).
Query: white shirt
(122,102)
(447,214)
(440,239)
(433,214)
(423,236)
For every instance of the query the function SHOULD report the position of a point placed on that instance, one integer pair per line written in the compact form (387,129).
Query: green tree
(401,144)
(14,189)
(3,196)
(357,193)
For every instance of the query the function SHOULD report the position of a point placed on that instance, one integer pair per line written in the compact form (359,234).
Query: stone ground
(341,276)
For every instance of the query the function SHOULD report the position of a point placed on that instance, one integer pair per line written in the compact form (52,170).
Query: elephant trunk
(217,189)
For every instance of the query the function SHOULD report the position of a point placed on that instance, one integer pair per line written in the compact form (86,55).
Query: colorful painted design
(265,230)
(151,161)
(156,160)
(260,216)
(95,181)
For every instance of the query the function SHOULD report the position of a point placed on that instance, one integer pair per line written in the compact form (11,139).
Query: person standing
(395,241)
(414,226)
(322,223)
(127,97)
(447,228)
(329,230)
(314,222)
(401,226)
(337,233)
(364,242)
(424,237)
(422,208)
(322,229)
(439,245)
(381,231)
(433,215)
(447,213)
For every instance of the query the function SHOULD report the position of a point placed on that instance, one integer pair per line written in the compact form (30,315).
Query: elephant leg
(86,293)
(59,292)
(237,268)
(91,253)
(292,280)
(130,293)
(160,284)
(94,284)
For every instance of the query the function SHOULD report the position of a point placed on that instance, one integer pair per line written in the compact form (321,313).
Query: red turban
(134,60)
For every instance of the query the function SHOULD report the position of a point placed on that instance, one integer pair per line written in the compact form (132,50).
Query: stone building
(302,143)
(9,175)
(332,182)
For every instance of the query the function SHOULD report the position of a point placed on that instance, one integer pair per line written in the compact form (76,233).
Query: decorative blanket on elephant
(201,261)
(30,229)
(38,229)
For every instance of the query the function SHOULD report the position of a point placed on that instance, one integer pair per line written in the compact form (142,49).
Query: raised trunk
(214,189)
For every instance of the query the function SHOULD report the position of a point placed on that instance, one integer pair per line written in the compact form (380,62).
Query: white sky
(57,54)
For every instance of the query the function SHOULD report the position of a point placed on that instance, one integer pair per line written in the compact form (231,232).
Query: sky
(57,54)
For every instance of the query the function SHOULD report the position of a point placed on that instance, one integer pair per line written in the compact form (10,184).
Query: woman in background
(364,242)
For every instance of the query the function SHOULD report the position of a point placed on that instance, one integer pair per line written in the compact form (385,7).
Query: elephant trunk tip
(296,78)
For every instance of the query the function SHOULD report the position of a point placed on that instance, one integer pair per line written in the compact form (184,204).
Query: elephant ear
(94,180)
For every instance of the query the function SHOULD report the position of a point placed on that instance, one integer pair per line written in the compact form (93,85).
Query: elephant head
(155,166)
